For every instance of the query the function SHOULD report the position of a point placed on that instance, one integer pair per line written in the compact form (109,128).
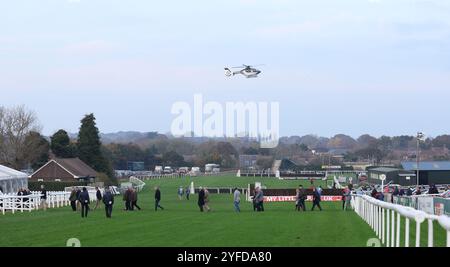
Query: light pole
(420,136)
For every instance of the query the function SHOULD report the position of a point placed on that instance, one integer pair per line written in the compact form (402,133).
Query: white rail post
(419,218)
(375,219)
(430,233)
(406,232)
(382,225)
(379,222)
(417,234)
(397,244)
(388,222)
(393,229)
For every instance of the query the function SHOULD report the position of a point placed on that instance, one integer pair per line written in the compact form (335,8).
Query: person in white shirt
(237,200)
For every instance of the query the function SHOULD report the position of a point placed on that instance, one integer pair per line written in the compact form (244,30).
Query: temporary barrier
(384,219)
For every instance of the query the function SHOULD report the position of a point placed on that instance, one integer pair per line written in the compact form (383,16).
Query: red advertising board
(292,198)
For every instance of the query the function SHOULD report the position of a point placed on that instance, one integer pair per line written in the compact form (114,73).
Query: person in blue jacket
(84,200)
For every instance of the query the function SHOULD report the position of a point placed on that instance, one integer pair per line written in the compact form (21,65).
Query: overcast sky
(348,66)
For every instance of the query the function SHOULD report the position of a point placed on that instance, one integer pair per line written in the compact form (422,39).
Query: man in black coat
(78,198)
(108,200)
(43,198)
(201,199)
(98,195)
(84,200)
(157,199)
(316,199)
(303,196)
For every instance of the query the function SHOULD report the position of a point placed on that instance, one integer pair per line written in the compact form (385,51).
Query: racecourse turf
(181,223)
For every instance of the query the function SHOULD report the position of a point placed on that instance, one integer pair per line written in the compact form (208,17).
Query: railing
(179,175)
(55,199)
(385,219)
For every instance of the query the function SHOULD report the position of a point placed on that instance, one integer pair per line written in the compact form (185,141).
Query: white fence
(385,219)
(55,199)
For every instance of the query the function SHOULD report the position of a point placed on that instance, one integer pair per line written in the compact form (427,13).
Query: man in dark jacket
(134,199)
(43,198)
(201,199)
(433,190)
(98,195)
(316,199)
(78,198)
(84,200)
(108,200)
(127,199)
(157,199)
(302,195)
(73,199)
(409,192)
(259,199)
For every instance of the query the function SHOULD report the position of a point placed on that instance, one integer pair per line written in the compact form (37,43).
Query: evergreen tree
(89,147)
(61,145)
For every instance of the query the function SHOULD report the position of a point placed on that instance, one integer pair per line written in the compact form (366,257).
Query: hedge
(52,186)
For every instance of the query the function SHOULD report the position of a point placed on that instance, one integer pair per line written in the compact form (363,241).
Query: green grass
(181,223)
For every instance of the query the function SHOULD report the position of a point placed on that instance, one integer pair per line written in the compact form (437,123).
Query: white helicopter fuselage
(247,72)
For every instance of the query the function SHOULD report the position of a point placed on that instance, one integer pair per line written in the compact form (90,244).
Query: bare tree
(15,125)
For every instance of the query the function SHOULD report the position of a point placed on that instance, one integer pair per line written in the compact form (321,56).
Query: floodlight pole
(419,136)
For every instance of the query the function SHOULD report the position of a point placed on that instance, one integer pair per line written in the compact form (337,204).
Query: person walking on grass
(84,199)
(108,200)
(188,192)
(158,199)
(180,193)
(303,196)
(259,200)
(346,198)
(297,199)
(316,200)
(201,198)
(134,199)
(78,198)
(255,204)
(98,196)
(43,198)
(127,199)
(237,199)
(319,190)
(73,199)
(206,205)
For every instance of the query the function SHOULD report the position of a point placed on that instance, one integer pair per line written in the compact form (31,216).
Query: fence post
(382,225)
(407,232)
(398,230)
(388,221)
(393,229)
(430,233)
(417,234)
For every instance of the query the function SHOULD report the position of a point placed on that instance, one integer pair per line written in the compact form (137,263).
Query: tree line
(22,146)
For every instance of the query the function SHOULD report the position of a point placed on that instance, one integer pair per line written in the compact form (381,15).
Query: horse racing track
(182,224)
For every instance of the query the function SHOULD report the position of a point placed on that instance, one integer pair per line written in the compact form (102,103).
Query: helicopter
(246,70)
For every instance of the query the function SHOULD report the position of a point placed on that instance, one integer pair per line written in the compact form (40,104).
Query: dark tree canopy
(61,145)
(89,146)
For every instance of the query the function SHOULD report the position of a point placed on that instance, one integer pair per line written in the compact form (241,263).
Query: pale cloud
(296,28)
(90,47)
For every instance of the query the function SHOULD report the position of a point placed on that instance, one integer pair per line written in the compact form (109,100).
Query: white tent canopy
(11,180)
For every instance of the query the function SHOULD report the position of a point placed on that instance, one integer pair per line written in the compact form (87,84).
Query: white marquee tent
(11,180)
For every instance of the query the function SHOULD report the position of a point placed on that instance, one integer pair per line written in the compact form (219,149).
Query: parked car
(168,170)
(195,171)
(183,170)
(159,169)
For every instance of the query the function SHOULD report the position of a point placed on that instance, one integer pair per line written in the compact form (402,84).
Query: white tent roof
(8,173)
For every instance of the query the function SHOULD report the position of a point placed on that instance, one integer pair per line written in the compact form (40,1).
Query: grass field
(181,223)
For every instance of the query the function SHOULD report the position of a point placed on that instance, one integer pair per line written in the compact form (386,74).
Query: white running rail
(384,219)
(55,199)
